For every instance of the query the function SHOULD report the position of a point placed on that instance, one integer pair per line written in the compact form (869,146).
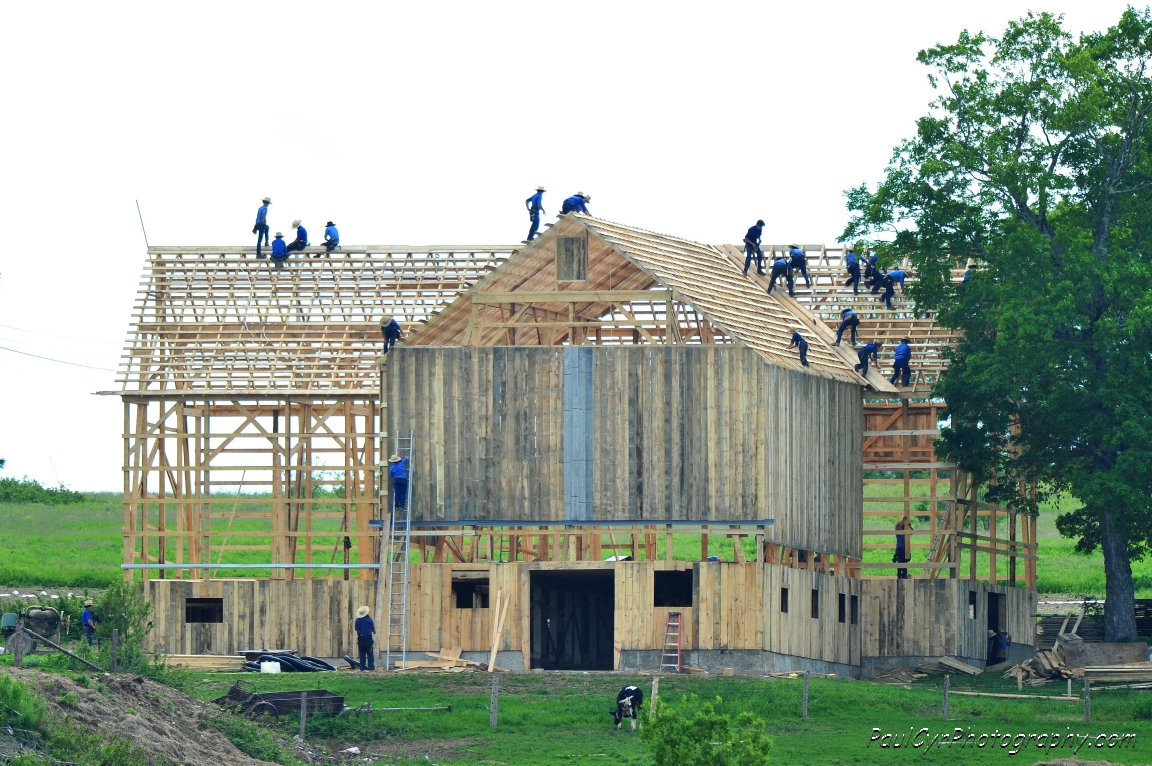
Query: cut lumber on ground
(1137,671)
(960,665)
(208,663)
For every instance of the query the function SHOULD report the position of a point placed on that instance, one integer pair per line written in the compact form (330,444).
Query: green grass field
(556,718)
(79,546)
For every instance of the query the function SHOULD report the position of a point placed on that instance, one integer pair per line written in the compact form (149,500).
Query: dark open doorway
(572,619)
(995,616)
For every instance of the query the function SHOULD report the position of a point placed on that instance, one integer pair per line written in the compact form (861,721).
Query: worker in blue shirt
(398,470)
(535,205)
(799,263)
(577,203)
(301,240)
(848,319)
(970,272)
(898,277)
(903,358)
(365,629)
(391,330)
(885,280)
(752,248)
(88,621)
(261,227)
(852,264)
(903,547)
(869,351)
(870,270)
(331,237)
(781,268)
(799,342)
(279,250)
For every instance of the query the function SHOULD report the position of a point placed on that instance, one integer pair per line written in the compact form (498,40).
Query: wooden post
(18,640)
(947,683)
(805,713)
(303,713)
(115,646)
(1069,688)
(656,690)
(1087,700)
(493,702)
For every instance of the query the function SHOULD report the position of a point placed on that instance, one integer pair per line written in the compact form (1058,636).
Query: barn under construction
(616,462)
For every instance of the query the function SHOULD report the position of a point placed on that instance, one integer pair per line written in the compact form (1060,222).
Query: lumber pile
(1136,671)
(898,675)
(930,668)
(206,663)
(958,665)
(1046,666)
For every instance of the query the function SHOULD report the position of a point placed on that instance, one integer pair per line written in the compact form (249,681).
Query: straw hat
(394,459)
(279,235)
(540,188)
(991,633)
(587,197)
(267,201)
(295,223)
(362,611)
(385,318)
(88,602)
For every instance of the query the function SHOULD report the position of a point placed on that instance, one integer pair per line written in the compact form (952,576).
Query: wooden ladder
(939,550)
(670,654)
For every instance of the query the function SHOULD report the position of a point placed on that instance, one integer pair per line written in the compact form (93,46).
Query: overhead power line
(57,361)
(62,337)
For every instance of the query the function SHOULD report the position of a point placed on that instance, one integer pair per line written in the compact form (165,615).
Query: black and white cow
(628,702)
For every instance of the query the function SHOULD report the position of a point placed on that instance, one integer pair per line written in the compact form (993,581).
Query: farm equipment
(276,703)
(43,620)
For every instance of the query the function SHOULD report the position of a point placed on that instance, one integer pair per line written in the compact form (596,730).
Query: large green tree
(1035,161)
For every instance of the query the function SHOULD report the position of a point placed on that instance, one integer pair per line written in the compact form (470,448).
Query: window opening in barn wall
(971,605)
(202,610)
(855,605)
(815,604)
(841,608)
(672,588)
(573,619)
(470,592)
(784,600)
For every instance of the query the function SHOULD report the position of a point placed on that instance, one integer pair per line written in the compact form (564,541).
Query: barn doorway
(573,619)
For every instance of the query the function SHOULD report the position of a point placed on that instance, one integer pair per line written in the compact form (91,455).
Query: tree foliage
(694,734)
(1035,162)
(31,491)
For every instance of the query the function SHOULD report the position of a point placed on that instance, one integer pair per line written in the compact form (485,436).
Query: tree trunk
(1120,604)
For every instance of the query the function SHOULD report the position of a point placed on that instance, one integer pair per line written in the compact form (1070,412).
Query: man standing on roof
(391,330)
(279,251)
(535,205)
(903,358)
(852,264)
(398,470)
(781,268)
(868,352)
(848,319)
(799,263)
(577,203)
(301,240)
(799,342)
(331,237)
(261,227)
(752,248)
(885,280)
(870,270)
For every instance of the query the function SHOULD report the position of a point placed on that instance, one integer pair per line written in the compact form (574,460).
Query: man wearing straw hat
(279,250)
(391,330)
(535,205)
(88,621)
(301,240)
(365,629)
(261,227)
(398,470)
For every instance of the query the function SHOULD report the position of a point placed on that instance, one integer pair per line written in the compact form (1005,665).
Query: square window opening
(672,588)
(815,604)
(971,605)
(784,600)
(471,593)
(204,610)
(841,608)
(855,603)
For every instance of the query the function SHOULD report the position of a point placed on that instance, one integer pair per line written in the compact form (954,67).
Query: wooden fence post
(492,703)
(805,695)
(1087,700)
(18,641)
(655,691)
(303,714)
(115,645)
(947,683)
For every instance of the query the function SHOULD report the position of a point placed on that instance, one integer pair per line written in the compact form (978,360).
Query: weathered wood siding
(923,618)
(684,432)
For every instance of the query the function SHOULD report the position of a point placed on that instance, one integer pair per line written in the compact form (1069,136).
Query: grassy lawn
(555,718)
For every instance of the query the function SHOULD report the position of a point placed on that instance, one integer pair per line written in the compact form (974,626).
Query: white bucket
(269,667)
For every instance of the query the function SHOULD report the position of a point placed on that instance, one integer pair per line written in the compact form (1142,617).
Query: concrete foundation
(742,662)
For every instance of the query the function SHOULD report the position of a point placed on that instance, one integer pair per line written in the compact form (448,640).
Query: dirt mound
(157,717)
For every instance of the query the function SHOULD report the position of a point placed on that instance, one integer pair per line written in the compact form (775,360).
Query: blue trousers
(901,365)
(804,354)
(535,225)
(888,295)
(800,266)
(400,493)
(367,655)
(331,244)
(780,271)
(751,252)
(261,233)
(863,366)
(854,322)
(854,277)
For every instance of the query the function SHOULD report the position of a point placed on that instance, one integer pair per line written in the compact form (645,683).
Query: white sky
(412,123)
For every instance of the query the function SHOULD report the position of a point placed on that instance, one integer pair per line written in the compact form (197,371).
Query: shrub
(31,491)
(694,734)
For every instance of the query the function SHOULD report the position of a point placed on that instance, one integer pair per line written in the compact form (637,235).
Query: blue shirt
(903,352)
(847,314)
(754,234)
(968,275)
(780,263)
(262,215)
(301,234)
(365,626)
(575,204)
(279,248)
(796,253)
(851,259)
(868,351)
(399,470)
(392,330)
(798,340)
(86,618)
(898,275)
(331,233)
(872,260)
(535,202)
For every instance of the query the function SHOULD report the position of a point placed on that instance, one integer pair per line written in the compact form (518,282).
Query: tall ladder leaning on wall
(399,536)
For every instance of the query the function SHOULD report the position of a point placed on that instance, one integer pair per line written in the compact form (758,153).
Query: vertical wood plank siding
(686,433)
